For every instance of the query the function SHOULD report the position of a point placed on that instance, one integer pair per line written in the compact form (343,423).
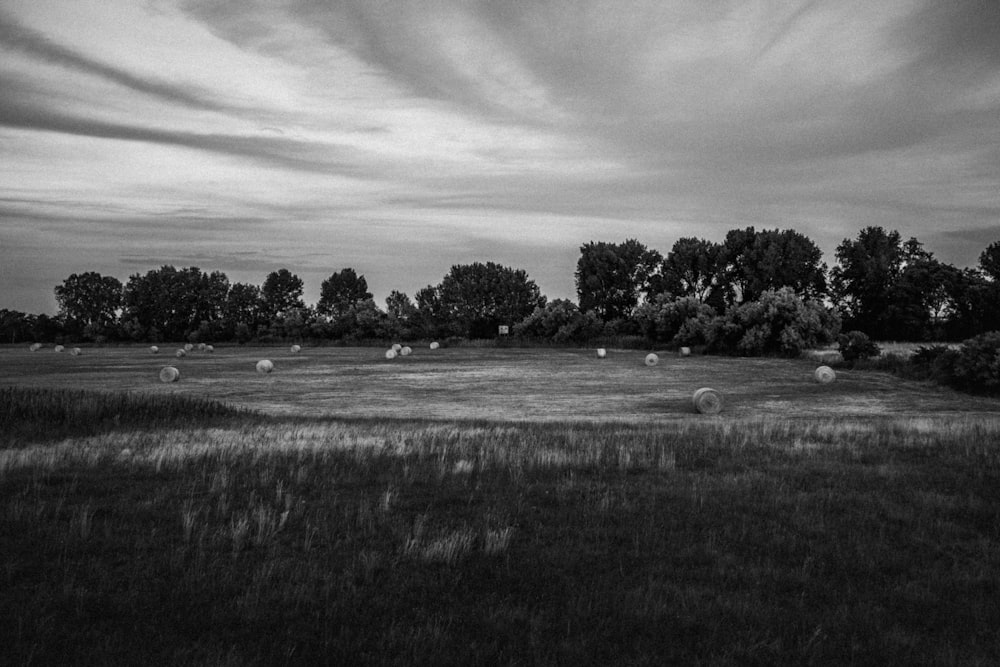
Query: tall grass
(45,414)
(762,541)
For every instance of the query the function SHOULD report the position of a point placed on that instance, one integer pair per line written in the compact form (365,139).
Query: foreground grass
(307,542)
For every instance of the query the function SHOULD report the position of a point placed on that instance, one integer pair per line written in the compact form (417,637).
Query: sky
(401,138)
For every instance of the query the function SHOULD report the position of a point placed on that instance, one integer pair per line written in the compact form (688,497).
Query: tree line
(757,291)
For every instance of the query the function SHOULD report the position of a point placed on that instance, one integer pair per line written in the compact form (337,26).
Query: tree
(243,312)
(676,321)
(281,293)
(340,292)
(922,300)
(401,315)
(753,262)
(90,300)
(611,277)
(15,326)
(173,304)
(476,298)
(862,282)
(691,269)
(989,261)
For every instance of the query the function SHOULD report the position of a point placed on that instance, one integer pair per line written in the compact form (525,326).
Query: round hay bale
(707,401)
(435,345)
(390,354)
(201,347)
(209,349)
(169,374)
(601,353)
(154,349)
(188,347)
(59,348)
(396,347)
(265,366)
(685,351)
(406,351)
(35,347)
(652,359)
(296,349)
(75,352)
(824,375)
(181,352)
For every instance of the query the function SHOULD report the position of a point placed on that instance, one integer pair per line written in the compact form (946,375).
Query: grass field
(491,507)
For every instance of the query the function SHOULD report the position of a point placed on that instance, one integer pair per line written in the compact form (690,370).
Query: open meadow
(490,506)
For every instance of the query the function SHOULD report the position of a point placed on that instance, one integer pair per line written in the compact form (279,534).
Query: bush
(780,322)
(559,321)
(977,364)
(855,345)
(681,321)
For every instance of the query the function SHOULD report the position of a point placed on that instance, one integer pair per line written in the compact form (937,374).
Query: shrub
(977,364)
(681,321)
(559,321)
(780,322)
(855,345)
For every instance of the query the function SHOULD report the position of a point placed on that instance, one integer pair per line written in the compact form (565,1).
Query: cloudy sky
(400,138)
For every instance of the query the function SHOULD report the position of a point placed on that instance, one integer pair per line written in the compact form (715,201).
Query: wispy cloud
(402,137)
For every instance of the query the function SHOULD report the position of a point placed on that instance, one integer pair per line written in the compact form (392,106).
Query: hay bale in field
(296,349)
(601,353)
(59,348)
(154,349)
(707,401)
(181,352)
(435,345)
(188,347)
(75,352)
(406,351)
(685,351)
(824,375)
(201,347)
(169,374)
(265,366)
(652,359)
(396,347)
(390,354)
(35,347)
(209,348)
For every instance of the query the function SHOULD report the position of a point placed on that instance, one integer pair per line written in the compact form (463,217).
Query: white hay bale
(652,359)
(707,401)
(435,345)
(296,349)
(265,366)
(390,354)
(406,351)
(35,347)
(169,374)
(396,347)
(59,348)
(188,347)
(685,351)
(154,349)
(601,353)
(201,347)
(75,352)
(209,349)
(181,352)
(824,375)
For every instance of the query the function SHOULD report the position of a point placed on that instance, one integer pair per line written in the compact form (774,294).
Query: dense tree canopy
(91,300)
(691,269)
(753,262)
(281,293)
(171,304)
(611,277)
(341,292)
(477,298)
(863,281)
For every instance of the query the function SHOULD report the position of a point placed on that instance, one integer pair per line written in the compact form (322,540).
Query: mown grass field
(491,507)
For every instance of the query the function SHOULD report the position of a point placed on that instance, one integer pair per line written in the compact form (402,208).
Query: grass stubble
(238,539)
